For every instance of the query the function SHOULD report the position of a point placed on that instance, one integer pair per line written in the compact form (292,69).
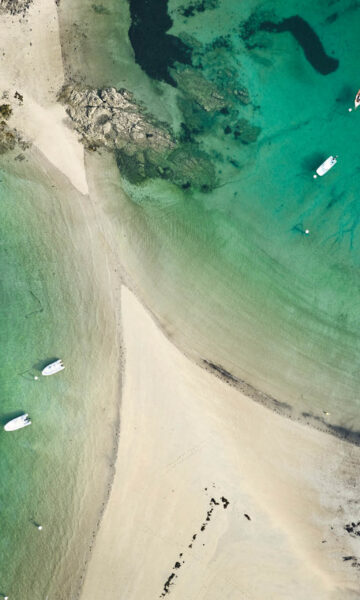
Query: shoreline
(111,187)
(292,490)
(201,440)
(56,160)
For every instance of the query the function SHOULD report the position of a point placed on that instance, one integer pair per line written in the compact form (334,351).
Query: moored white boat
(357,99)
(53,368)
(18,423)
(326,166)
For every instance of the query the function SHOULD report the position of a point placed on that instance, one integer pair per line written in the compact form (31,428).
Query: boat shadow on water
(41,364)
(36,369)
(5,418)
(313,160)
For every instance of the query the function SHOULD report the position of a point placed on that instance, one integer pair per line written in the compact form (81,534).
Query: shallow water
(55,471)
(231,273)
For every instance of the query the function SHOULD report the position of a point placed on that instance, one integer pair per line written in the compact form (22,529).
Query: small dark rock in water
(245,132)
(198,7)
(227,130)
(196,87)
(243,95)
(247,516)
(100,9)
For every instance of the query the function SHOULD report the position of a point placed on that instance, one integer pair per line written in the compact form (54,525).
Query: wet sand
(215,496)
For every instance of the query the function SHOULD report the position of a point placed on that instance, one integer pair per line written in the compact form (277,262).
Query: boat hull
(326,166)
(53,368)
(357,99)
(17,423)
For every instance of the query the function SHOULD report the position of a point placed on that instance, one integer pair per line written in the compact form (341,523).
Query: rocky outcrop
(144,148)
(186,167)
(113,119)
(200,90)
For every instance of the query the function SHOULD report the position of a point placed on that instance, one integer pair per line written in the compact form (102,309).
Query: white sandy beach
(190,446)
(187,437)
(31,65)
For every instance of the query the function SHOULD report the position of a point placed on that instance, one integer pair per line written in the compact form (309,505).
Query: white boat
(326,166)
(357,99)
(18,423)
(53,367)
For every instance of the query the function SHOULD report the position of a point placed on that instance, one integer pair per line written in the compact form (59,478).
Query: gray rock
(111,118)
(199,89)
(144,148)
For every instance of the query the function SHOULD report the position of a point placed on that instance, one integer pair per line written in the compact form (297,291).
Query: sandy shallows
(215,496)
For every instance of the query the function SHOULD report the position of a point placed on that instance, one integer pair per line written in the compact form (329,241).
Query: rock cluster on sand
(14,7)
(144,148)
(10,138)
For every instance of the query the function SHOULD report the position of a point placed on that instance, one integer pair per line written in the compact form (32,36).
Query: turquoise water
(53,472)
(231,273)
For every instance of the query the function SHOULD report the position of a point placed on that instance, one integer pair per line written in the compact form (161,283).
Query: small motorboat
(357,99)
(18,423)
(326,166)
(53,368)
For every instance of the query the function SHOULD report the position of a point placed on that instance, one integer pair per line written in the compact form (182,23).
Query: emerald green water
(53,472)
(231,274)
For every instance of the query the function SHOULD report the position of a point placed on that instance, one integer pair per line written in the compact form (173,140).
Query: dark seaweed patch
(308,40)
(198,7)
(155,50)
(221,370)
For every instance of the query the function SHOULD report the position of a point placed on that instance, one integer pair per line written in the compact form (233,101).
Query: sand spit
(31,74)
(215,496)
